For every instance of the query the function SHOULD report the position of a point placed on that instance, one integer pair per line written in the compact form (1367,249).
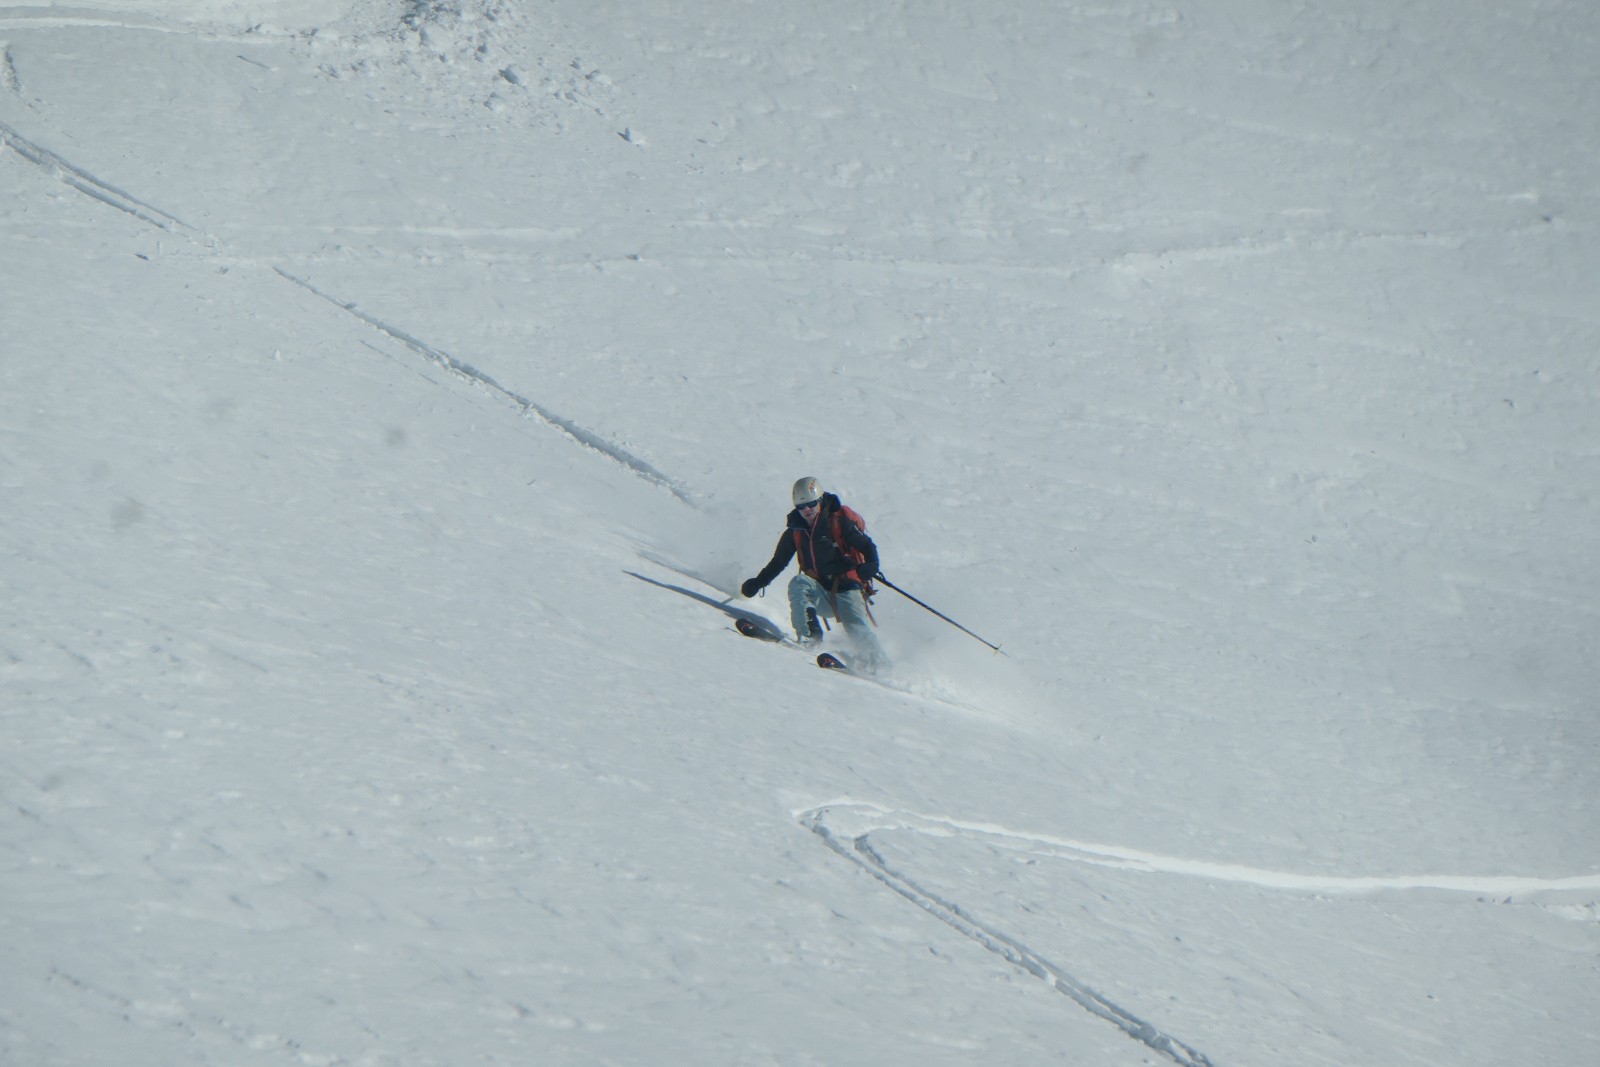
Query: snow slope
(392,393)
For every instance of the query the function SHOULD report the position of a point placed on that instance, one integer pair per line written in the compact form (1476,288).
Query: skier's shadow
(765,625)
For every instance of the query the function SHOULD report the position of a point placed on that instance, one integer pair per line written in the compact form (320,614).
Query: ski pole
(941,614)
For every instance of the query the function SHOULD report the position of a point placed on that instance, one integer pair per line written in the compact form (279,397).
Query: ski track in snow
(866,818)
(86,183)
(54,18)
(9,63)
(577,433)
(89,185)
(856,848)
(846,826)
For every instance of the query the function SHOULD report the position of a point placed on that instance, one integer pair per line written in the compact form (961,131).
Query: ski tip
(831,662)
(760,630)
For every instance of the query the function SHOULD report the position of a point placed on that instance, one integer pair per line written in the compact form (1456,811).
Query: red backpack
(854,555)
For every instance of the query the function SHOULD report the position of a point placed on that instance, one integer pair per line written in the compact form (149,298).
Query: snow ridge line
(88,184)
(869,818)
(860,852)
(461,369)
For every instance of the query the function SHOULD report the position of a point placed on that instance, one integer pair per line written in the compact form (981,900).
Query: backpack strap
(856,556)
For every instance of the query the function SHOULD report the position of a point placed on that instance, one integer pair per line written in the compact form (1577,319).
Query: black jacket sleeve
(780,559)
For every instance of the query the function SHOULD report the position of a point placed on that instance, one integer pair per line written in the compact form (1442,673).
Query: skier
(837,564)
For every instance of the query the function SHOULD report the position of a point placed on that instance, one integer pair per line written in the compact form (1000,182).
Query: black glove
(749,588)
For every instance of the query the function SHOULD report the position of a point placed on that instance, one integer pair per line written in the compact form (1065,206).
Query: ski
(753,628)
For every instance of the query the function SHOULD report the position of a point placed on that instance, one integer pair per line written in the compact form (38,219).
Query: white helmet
(806,491)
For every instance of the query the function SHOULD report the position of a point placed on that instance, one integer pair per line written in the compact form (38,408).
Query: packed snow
(394,394)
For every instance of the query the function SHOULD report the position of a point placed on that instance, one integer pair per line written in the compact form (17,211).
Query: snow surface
(392,393)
